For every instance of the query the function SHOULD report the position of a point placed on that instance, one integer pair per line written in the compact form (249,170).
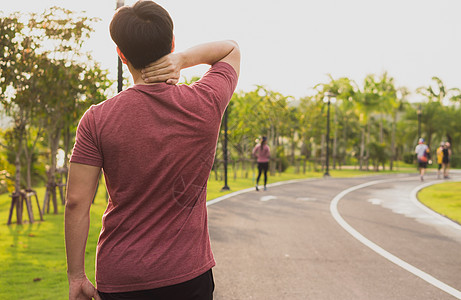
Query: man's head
(143,32)
(421,141)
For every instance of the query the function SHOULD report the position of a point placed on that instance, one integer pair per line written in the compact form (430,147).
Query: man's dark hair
(143,32)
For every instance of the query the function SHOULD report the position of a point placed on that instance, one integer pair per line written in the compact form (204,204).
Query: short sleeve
(86,150)
(221,81)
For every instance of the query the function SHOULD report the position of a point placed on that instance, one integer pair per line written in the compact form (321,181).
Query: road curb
(440,217)
(381,251)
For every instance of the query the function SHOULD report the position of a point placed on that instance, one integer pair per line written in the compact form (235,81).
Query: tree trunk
(393,154)
(16,200)
(293,147)
(67,147)
(273,138)
(335,138)
(323,156)
(17,185)
(51,184)
(29,153)
(367,151)
(343,150)
(362,149)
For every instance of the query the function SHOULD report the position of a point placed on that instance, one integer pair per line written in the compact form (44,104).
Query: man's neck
(137,75)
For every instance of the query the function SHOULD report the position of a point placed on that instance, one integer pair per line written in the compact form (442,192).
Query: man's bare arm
(167,69)
(80,191)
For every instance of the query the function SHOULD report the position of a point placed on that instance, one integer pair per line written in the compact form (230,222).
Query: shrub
(455,161)
(409,158)
(282,160)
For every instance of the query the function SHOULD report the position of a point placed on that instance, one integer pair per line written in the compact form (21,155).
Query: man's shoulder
(221,68)
(224,65)
(112,101)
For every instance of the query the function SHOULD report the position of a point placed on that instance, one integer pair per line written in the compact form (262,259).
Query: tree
(18,93)
(344,91)
(398,104)
(73,79)
(49,81)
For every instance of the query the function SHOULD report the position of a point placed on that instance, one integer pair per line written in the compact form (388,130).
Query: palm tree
(397,104)
(434,110)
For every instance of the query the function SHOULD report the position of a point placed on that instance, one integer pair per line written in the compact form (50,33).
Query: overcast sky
(289,46)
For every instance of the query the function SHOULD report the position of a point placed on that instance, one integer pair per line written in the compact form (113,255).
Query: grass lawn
(444,198)
(32,256)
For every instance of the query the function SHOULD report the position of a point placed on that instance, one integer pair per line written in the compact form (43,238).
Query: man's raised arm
(167,69)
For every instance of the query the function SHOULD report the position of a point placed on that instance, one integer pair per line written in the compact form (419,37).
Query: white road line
(267,198)
(219,199)
(423,275)
(375,201)
(306,199)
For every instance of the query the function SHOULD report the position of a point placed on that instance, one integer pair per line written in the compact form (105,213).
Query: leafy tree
(378,154)
(72,82)
(18,66)
(438,92)
(49,81)
(344,91)
(434,112)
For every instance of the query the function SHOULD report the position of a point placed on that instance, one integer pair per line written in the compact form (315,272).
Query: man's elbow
(235,48)
(70,204)
(75,204)
(234,44)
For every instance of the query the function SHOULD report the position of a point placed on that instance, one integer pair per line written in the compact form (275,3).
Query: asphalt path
(354,238)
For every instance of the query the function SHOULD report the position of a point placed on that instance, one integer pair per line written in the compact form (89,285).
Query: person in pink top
(155,143)
(262,153)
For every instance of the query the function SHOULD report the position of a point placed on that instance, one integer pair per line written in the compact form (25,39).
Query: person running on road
(439,158)
(422,153)
(262,153)
(446,159)
(156,144)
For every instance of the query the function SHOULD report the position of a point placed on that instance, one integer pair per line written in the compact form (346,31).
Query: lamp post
(329,98)
(225,187)
(419,112)
(120,3)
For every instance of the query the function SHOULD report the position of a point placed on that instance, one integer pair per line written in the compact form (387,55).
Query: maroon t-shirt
(156,145)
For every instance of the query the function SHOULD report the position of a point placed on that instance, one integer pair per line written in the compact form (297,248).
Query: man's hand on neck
(137,75)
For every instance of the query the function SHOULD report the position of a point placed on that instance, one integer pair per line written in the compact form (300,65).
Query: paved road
(288,243)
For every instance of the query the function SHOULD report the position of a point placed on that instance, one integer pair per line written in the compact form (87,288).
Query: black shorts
(199,288)
(263,166)
(422,164)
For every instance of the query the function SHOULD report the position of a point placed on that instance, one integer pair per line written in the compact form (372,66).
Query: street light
(419,112)
(329,98)
(120,3)
(225,187)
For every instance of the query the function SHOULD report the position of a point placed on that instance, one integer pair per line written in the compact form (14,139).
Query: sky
(290,46)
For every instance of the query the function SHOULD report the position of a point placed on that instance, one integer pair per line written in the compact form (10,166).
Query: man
(446,154)
(422,154)
(156,143)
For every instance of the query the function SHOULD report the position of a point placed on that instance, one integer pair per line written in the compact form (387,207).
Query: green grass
(444,198)
(33,262)
(32,256)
